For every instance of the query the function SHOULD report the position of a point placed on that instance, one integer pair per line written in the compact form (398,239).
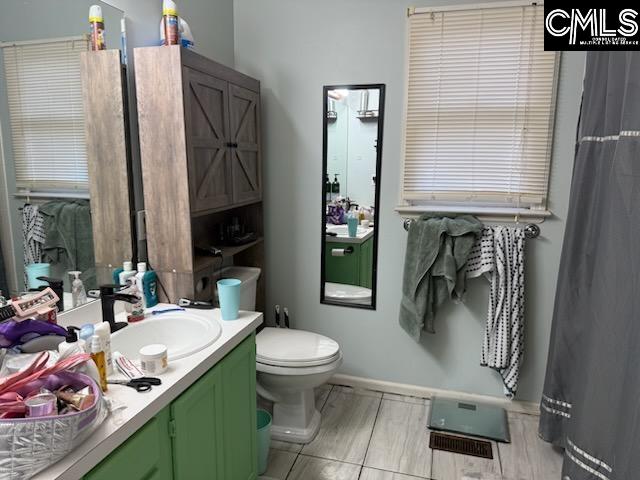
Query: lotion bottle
(126,273)
(103,331)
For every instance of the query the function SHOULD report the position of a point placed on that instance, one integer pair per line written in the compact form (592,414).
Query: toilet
(351,294)
(290,365)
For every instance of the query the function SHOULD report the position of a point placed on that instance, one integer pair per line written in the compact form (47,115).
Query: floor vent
(463,445)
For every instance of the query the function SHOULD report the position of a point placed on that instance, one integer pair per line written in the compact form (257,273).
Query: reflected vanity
(352,154)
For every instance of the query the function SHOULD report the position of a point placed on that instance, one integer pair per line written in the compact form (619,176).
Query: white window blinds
(46,114)
(480,107)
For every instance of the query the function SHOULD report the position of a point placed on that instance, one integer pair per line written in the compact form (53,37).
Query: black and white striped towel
(503,345)
(33,235)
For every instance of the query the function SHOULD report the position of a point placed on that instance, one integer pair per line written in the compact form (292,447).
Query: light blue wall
(295,47)
(361,166)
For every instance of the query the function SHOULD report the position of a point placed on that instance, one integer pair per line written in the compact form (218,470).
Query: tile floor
(368,435)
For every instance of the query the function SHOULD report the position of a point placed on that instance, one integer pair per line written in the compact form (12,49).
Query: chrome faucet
(108,296)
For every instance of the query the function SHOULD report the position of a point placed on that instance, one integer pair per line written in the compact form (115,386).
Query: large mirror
(352,152)
(46,207)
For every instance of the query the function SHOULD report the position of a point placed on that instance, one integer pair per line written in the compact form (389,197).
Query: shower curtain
(591,398)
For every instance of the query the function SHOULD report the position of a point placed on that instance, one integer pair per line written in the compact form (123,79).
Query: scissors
(142,384)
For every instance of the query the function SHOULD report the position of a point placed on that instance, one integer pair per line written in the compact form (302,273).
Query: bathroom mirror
(353,121)
(46,207)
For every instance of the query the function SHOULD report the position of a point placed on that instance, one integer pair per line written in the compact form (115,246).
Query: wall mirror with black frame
(352,155)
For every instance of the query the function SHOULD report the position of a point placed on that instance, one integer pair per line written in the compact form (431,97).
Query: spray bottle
(170,23)
(96,28)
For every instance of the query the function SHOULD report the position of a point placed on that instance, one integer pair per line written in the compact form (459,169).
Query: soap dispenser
(335,187)
(72,345)
(327,188)
(78,293)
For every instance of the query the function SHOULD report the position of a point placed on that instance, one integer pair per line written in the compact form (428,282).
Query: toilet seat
(352,294)
(284,347)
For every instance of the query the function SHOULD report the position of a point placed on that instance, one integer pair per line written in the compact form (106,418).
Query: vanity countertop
(363,234)
(141,407)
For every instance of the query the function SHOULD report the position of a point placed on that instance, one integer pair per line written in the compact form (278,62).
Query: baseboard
(517,406)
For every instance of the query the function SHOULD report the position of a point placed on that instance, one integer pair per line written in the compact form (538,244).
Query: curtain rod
(531,230)
(472,6)
(81,195)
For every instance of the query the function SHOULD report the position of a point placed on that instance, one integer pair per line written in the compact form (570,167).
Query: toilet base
(297,435)
(295,417)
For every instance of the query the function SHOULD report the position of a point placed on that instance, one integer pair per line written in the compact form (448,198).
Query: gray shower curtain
(591,398)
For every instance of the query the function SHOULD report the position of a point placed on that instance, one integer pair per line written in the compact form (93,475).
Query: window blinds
(46,114)
(480,106)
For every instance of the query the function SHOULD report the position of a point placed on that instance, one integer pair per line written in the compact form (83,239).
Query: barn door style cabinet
(199,125)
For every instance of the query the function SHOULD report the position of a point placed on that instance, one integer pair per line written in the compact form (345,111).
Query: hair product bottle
(170,23)
(96,28)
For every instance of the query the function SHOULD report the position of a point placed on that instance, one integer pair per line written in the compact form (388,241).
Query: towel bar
(531,230)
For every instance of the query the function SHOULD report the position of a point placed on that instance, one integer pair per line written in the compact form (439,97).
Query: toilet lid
(288,347)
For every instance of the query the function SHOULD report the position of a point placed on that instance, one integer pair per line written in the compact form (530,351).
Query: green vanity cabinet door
(197,429)
(342,269)
(239,380)
(366,264)
(146,455)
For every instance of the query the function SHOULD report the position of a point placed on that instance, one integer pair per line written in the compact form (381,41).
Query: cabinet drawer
(145,456)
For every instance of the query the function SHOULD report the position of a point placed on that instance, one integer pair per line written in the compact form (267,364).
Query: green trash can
(264,440)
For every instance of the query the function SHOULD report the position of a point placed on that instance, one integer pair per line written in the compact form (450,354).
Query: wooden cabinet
(108,161)
(199,126)
(207,127)
(209,432)
(244,123)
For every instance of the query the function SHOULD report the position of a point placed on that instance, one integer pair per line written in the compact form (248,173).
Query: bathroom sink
(343,230)
(182,332)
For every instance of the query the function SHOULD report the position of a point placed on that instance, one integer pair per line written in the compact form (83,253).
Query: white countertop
(363,234)
(141,407)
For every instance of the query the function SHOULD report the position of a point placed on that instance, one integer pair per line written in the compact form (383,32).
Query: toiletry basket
(29,445)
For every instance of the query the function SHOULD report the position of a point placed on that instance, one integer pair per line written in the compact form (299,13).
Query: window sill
(486,214)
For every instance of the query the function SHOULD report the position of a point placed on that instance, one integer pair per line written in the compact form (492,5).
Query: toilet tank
(249,278)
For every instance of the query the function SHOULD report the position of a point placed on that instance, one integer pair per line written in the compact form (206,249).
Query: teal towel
(434,267)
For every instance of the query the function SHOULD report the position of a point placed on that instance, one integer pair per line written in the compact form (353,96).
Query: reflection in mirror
(45,222)
(353,121)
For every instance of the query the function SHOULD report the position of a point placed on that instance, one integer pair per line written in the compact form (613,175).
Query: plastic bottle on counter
(74,345)
(96,28)
(147,283)
(103,331)
(86,332)
(170,23)
(127,272)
